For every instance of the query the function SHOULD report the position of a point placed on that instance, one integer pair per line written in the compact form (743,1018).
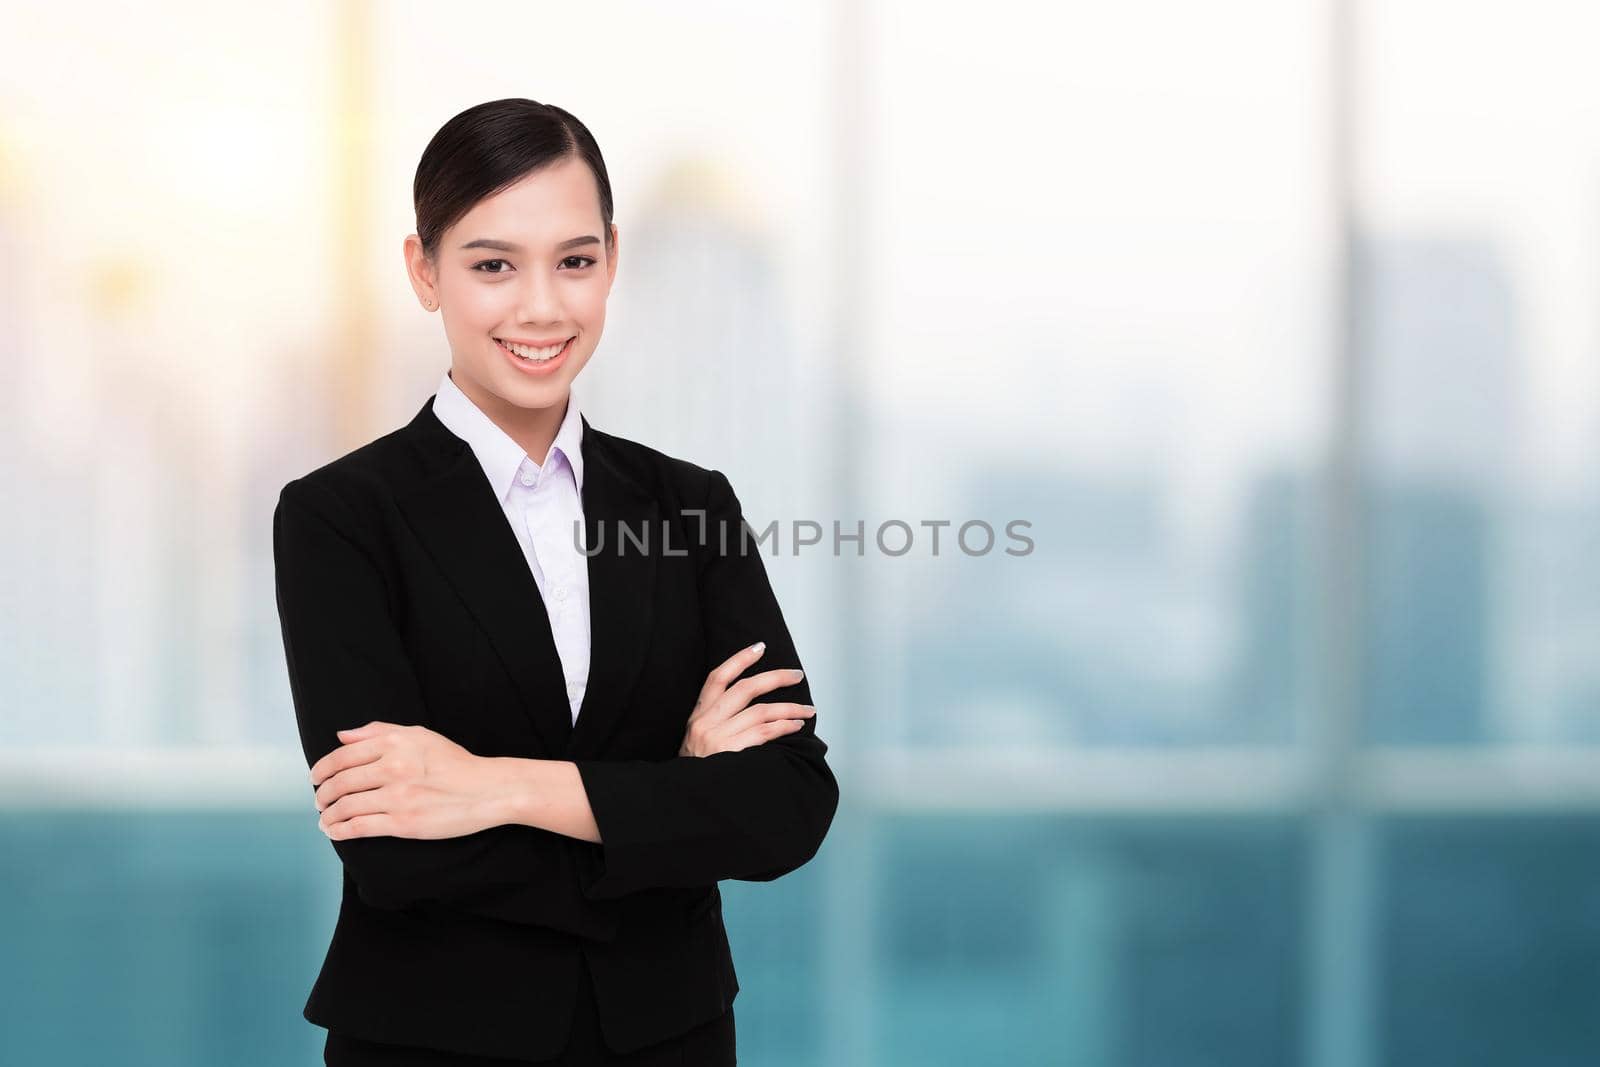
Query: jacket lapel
(455,515)
(621,588)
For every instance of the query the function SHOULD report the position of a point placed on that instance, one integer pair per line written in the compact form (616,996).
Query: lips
(537,368)
(542,353)
(530,343)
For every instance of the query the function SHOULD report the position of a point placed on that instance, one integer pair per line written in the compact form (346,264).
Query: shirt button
(527,477)
(561,592)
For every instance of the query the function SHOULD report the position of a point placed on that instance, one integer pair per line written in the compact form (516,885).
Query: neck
(533,429)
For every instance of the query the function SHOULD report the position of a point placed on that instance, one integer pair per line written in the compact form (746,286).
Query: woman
(535,752)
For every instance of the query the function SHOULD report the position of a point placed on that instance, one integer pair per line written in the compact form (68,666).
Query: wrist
(517,784)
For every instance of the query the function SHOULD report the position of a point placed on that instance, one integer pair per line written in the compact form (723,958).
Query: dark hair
(491,146)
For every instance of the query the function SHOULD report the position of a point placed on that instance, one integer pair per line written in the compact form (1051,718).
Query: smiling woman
(522,324)
(534,760)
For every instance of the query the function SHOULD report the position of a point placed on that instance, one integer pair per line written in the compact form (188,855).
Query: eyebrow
(508,246)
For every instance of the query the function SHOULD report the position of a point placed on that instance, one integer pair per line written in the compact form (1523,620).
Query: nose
(538,301)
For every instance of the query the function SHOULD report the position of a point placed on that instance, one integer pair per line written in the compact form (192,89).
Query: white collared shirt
(543,502)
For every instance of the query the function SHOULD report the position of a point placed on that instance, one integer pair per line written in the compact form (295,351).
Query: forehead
(548,205)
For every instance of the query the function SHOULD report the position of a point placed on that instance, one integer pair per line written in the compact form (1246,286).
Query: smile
(540,361)
(534,353)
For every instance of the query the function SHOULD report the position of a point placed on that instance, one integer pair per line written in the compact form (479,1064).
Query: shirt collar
(497,453)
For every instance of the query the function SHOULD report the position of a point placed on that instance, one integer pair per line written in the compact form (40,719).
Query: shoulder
(358,485)
(674,480)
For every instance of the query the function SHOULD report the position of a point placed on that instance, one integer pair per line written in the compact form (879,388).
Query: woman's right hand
(722,721)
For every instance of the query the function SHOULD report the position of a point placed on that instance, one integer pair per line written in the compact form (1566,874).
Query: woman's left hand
(387,780)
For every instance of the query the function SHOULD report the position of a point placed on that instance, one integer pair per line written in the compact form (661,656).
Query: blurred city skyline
(1278,322)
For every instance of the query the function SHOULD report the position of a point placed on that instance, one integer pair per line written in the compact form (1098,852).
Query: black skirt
(708,1045)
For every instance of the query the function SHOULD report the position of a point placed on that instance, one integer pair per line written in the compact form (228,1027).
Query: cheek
(590,305)
(479,308)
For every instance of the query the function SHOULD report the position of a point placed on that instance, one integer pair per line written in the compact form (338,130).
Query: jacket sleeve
(752,815)
(347,666)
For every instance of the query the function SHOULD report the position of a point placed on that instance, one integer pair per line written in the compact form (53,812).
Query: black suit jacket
(404,596)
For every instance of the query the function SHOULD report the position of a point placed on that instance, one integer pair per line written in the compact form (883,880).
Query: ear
(420,272)
(611,265)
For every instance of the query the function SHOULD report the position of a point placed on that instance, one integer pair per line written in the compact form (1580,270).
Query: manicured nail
(758,646)
(798,673)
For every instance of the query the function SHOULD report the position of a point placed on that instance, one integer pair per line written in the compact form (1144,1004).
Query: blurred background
(1278,320)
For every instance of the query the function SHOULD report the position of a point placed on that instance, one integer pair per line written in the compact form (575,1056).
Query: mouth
(535,358)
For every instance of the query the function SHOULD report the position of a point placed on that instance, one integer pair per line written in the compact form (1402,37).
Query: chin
(532,393)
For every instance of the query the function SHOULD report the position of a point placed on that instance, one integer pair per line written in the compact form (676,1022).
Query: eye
(485,262)
(587,261)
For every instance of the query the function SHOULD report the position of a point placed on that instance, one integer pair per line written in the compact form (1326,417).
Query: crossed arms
(752,814)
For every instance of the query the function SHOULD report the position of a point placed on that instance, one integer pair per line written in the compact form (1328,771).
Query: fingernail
(758,646)
(798,673)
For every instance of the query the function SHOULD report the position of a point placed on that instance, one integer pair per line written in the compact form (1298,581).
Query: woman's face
(529,265)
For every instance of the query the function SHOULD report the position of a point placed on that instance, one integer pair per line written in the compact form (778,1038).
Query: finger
(763,712)
(724,674)
(386,798)
(350,805)
(351,755)
(350,780)
(771,712)
(371,728)
(377,825)
(748,688)
(344,757)
(762,732)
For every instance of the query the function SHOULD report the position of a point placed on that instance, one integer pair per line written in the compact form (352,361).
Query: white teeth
(533,355)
